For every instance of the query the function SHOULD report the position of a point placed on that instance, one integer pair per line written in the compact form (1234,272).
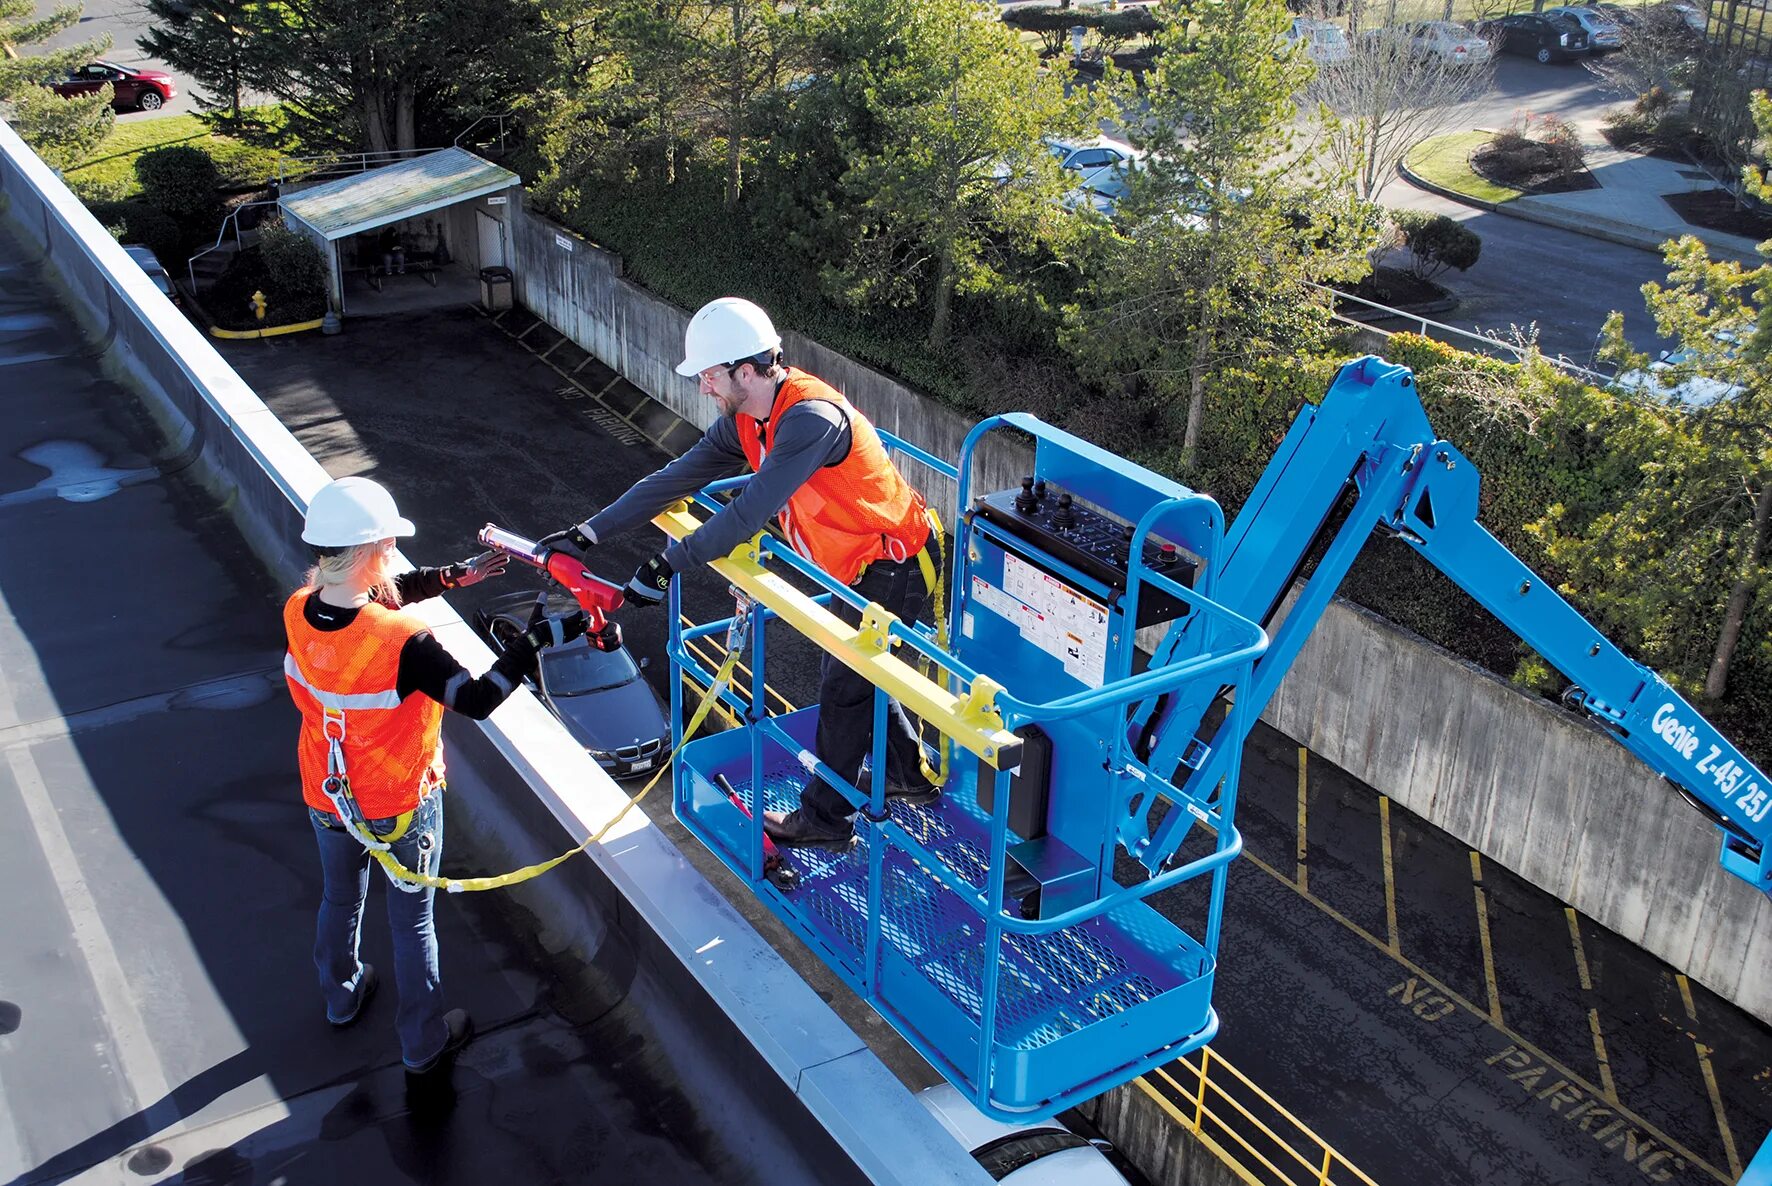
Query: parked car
(1041,1154)
(1540,36)
(151,265)
(1695,391)
(1324,43)
(1445,40)
(598,695)
(1603,33)
(131,90)
(1086,156)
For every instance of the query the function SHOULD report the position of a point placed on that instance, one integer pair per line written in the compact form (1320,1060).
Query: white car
(1445,40)
(1603,33)
(1324,43)
(1086,156)
(1041,1154)
(1696,391)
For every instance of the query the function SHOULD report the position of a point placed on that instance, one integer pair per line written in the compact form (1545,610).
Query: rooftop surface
(160,1020)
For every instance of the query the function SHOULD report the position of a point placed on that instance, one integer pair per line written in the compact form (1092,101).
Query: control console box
(1088,541)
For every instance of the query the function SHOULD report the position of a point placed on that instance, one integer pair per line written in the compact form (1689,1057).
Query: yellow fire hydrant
(258,305)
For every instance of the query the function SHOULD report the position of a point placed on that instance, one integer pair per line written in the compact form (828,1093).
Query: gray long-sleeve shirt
(811,434)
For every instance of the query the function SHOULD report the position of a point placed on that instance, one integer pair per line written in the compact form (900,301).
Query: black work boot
(461,1032)
(794,829)
(917,793)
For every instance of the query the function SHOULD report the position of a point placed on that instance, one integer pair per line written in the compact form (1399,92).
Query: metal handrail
(341,163)
(500,117)
(221,233)
(1518,353)
(1322,1162)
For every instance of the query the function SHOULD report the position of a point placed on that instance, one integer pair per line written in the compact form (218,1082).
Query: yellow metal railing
(1245,1127)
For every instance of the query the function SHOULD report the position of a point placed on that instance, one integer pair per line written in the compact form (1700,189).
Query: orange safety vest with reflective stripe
(847,515)
(393,748)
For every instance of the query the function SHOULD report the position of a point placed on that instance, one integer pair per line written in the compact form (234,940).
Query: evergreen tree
(62,131)
(214,41)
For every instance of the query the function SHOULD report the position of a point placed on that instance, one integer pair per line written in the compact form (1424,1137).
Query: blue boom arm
(1369,444)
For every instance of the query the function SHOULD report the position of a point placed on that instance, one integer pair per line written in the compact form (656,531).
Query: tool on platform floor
(596,596)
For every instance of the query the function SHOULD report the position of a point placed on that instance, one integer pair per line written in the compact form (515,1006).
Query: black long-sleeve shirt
(811,434)
(425,666)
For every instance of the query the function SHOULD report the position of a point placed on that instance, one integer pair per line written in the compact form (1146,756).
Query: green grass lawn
(1445,161)
(109,173)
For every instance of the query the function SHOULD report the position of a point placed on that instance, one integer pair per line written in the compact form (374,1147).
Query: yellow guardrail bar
(971,721)
(1244,1126)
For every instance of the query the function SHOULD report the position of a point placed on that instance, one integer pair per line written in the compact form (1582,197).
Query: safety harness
(337,789)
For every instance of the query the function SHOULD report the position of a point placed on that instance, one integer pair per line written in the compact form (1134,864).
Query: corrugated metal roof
(392,192)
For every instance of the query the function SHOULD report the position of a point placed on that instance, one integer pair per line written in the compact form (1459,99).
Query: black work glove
(474,569)
(576,541)
(557,630)
(650,583)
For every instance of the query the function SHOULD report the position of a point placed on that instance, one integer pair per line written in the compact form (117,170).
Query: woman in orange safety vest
(372,683)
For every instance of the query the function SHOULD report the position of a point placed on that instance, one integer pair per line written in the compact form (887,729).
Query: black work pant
(846,701)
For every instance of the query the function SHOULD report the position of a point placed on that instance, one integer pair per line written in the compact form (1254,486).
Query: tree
(62,131)
(1227,227)
(751,44)
(1689,552)
(214,40)
(952,174)
(1387,99)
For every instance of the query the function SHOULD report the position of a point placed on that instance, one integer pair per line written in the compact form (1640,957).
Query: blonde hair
(363,566)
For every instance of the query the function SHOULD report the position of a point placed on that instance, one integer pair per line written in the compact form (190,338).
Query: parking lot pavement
(1449,1022)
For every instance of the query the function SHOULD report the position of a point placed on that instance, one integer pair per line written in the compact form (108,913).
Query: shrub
(138,222)
(295,275)
(1436,242)
(283,265)
(182,181)
(1054,25)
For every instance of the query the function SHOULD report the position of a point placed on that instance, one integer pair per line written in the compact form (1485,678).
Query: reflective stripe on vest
(847,515)
(392,747)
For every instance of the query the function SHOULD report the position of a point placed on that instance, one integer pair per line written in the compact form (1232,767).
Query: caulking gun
(596,596)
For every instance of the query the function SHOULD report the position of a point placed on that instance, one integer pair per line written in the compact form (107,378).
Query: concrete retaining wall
(577,287)
(1531,787)
(1163,1150)
(715,985)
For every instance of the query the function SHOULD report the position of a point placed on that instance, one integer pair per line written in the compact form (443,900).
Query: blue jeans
(344,865)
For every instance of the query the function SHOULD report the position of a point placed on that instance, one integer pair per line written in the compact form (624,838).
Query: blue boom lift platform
(989,926)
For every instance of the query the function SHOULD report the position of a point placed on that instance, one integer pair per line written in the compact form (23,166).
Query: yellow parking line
(1710,1078)
(1453,995)
(1587,983)
(1483,936)
(1301,850)
(1606,1084)
(1593,1014)
(1390,874)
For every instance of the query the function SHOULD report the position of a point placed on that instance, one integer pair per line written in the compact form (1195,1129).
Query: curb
(294,327)
(1624,234)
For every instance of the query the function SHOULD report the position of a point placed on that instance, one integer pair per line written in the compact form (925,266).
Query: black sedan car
(1542,36)
(599,696)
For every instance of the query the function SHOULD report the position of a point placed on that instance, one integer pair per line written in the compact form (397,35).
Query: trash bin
(495,289)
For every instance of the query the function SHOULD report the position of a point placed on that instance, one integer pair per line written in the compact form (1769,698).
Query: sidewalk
(1627,208)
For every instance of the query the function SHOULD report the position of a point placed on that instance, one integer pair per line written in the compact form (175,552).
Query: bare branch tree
(1388,99)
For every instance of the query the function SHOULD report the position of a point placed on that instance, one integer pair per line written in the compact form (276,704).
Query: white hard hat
(725,331)
(353,511)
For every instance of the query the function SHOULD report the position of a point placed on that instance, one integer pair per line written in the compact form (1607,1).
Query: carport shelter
(355,220)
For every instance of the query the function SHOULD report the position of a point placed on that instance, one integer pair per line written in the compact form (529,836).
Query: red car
(133,90)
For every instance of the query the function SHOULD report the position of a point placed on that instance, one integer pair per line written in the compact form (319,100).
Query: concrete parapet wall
(1533,788)
(578,288)
(699,970)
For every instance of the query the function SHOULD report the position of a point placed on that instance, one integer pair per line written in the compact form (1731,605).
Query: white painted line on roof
(145,1076)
